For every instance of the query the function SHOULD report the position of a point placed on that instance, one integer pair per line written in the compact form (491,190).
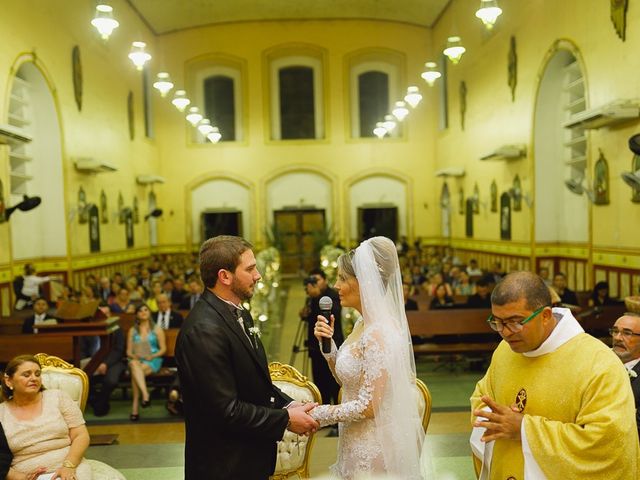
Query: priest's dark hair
(518,285)
(221,252)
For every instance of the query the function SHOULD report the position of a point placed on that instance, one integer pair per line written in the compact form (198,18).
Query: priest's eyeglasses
(513,327)
(625,332)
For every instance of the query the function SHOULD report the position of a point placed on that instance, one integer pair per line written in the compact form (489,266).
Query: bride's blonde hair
(384,254)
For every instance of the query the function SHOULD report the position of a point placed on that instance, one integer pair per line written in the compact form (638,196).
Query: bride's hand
(323,329)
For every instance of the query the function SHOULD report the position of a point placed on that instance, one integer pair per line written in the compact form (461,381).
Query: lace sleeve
(369,393)
(331,359)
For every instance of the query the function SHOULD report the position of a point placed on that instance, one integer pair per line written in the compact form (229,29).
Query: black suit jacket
(635,386)
(28,324)
(234,415)
(175,319)
(5,455)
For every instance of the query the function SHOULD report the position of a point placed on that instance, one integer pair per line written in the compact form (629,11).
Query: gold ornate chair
(293,450)
(60,375)
(424,403)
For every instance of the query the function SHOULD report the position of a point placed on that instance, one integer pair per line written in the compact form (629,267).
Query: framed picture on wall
(505,216)
(128,226)
(94,229)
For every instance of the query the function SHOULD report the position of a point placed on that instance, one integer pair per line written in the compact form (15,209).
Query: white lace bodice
(358,369)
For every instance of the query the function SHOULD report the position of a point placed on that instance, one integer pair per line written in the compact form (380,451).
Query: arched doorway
(36,168)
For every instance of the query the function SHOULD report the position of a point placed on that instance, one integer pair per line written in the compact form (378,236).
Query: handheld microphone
(326,304)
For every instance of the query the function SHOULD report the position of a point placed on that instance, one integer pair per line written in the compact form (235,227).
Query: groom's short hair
(221,252)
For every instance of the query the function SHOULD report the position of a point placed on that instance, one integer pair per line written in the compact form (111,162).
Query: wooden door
(298,233)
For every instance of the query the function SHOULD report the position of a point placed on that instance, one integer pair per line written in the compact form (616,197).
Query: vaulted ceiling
(164,16)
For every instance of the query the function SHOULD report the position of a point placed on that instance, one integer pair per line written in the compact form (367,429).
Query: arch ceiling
(164,16)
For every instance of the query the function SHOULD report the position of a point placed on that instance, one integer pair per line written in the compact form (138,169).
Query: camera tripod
(300,346)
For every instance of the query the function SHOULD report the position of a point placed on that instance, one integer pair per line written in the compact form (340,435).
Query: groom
(234,415)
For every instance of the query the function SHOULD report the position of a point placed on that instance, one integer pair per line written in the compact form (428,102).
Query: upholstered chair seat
(293,450)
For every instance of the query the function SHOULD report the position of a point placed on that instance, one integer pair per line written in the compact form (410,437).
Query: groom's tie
(246,325)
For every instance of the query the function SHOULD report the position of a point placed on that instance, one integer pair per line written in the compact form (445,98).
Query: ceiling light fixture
(489,12)
(194,116)
(413,96)
(163,83)
(379,131)
(138,55)
(400,110)
(104,21)
(431,73)
(389,123)
(454,50)
(204,127)
(214,136)
(180,100)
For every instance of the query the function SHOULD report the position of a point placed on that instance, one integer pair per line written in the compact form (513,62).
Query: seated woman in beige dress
(44,428)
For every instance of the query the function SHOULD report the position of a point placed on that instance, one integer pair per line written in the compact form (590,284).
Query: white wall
(224,195)
(561,216)
(373,191)
(300,189)
(41,232)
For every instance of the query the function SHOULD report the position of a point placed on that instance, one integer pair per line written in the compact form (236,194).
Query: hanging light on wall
(489,12)
(104,21)
(214,136)
(138,55)
(413,96)
(389,123)
(180,100)
(431,73)
(163,83)
(379,131)
(194,116)
(204,127)
(400,110)
(454,50)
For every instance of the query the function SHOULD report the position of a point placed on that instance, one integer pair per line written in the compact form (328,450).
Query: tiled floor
(154,448)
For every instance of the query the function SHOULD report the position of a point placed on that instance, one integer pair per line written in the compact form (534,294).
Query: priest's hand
(501,422)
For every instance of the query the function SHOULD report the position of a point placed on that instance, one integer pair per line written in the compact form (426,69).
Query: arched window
(373,100)
(219,105)
(217,84)
(296,86)
(375,78)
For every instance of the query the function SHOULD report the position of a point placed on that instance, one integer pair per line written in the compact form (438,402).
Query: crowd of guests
(155,294)
(446,282)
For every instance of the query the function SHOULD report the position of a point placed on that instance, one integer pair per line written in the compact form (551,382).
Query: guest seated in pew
(409,303)
(123,303)
(482,297)
(152,301)
(600,296)
(435,281)
(441,298)
(166,318)
(40,316)
(145,347)
(45,429)
(464,287)
(195,290)
(105,378)
(567,295)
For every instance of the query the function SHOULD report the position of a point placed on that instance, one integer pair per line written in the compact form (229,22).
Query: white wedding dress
(379,423)
(356,368)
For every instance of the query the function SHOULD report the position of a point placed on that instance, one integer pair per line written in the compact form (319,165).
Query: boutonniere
(632,373)
(255,331)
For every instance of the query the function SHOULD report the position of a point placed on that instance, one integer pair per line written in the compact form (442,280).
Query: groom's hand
(300,421)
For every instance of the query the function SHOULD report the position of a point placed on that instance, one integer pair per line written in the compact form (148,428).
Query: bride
(380,426)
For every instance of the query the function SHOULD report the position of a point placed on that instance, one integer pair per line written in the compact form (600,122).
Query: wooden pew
(12,345)
(452,331)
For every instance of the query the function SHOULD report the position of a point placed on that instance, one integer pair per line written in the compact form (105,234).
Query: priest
(555,402)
